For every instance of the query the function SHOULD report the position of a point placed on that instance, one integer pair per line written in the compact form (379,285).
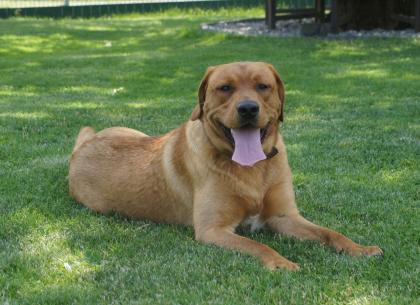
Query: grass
(352,130)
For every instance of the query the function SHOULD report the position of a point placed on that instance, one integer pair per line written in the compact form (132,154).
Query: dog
(227,166)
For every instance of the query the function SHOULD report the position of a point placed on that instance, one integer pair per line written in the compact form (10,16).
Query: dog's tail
(85,134)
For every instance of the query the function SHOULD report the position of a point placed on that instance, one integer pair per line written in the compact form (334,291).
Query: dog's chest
(253,223)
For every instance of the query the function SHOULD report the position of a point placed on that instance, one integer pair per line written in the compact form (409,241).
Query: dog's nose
(248,110)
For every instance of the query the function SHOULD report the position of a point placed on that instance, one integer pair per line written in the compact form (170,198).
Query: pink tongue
(248,148)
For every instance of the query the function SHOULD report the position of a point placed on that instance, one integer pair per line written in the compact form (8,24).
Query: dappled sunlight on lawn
(25,115)
(12,44)
(86,90)
(357,73)
(55,265)
(358,49)
(364,300)
(301,116)
(77,105)
(65,264)
(11,91)
(411,76)
(137,105)
(210,40)
(340,50)
(60,36)
(394,176)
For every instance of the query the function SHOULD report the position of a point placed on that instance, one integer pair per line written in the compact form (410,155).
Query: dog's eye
(226,88)
(262,87)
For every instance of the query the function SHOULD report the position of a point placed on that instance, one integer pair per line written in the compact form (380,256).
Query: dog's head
(239,101)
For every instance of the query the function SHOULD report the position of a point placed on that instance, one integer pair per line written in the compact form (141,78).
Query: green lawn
(351,127)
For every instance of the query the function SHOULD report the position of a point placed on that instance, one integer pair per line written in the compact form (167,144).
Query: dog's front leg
(214,223)
(299,227)
(283,217)
(224,237)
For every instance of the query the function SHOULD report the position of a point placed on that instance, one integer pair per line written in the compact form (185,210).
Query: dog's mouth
(228,132)
(247,143)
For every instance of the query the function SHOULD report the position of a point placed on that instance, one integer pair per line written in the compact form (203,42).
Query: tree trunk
(371,14)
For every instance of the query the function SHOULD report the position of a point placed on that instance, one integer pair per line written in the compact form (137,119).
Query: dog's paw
(366,250)
(344,245)
(359,250)
(280,262)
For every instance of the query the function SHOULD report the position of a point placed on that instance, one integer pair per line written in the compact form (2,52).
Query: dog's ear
(280,91)
(198,110)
